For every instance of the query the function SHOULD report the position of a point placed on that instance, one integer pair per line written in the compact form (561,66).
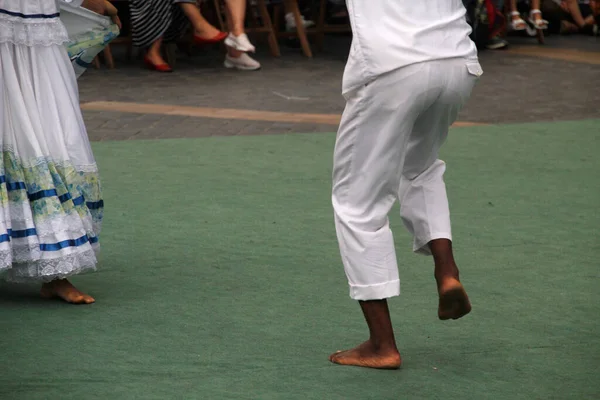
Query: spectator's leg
(153,54)
(238,44)
(497,42)
(572,8)
(237,39)
(236,12)
(202,27)
(516,21)
(535,15)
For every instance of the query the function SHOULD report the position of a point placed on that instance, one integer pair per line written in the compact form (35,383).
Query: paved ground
(558,81)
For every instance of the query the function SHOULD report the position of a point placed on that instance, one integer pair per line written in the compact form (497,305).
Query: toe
(337,356)
(77,299)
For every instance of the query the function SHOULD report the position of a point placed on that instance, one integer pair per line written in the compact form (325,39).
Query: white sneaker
(290,22)
(240,43)
(243,62)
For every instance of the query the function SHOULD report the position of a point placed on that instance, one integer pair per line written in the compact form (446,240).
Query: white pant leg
(422,194)
(371,146)
(368,159)
(424,207)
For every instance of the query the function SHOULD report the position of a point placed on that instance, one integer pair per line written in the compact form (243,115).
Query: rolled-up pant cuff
(375,292)
(421,246)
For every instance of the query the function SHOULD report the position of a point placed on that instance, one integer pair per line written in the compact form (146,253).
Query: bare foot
(454,302)
(63,289)
(368,356)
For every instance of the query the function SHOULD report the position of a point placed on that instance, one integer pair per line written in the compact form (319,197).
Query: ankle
(445,273)
(382,346)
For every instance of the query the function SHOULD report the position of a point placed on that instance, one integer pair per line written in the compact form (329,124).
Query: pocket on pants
(474,68)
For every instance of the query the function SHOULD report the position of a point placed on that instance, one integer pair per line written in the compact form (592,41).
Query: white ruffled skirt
(50,195)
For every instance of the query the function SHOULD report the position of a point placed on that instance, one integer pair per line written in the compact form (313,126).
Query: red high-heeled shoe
(157,67)
(216,39)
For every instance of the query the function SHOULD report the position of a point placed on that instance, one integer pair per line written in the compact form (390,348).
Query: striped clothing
(153,19)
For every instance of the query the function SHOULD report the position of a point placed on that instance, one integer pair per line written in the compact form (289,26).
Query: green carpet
(221,279)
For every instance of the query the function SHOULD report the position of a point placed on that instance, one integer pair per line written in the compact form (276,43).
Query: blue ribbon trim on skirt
(29,16)
(48,246)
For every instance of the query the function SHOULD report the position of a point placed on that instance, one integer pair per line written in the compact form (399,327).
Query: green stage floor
(220,278)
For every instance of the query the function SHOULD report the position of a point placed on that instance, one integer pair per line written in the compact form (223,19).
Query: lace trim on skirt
(48,270)
(38,33)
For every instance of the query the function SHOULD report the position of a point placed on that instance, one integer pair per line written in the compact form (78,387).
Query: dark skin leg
(453,300)
(380,350)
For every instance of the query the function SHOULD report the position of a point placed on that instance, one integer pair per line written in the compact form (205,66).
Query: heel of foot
(454,302)
(368,357)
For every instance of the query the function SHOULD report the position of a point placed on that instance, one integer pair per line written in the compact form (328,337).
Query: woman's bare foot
(454,302)
(63,289)
(368,356)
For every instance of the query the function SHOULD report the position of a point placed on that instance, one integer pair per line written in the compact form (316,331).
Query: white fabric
(391,34)
(387,150)
(28,22)
(80,21)
(41,123)
(40,106)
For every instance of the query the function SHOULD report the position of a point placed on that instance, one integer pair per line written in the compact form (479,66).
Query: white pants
(386,150)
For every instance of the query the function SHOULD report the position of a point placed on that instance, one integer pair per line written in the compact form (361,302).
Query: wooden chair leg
(108,57)
(321,24)
(266,21)
(96,62)
(276,18)
(129,50)
(540,36)
(291,6)
(170,50)
(252,18)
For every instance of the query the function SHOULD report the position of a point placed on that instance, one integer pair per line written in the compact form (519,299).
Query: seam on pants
(360,107)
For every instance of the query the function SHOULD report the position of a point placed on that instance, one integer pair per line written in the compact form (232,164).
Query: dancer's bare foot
(63,289)
(368,356)
(454,302)
(380,350)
